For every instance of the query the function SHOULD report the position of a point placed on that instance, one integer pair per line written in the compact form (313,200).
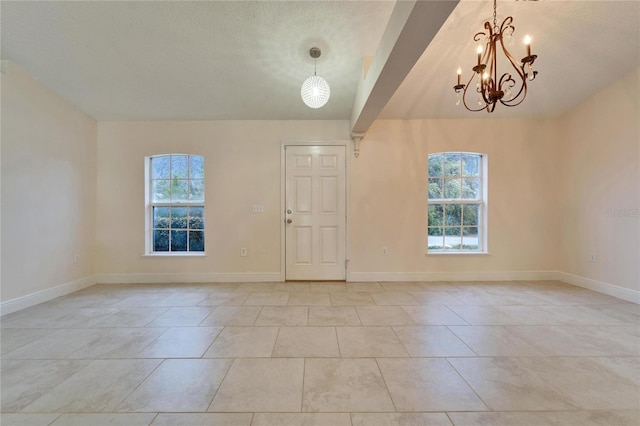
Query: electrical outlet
(76,259)
(257,208)
(592,257)
(243,251)
(385,251)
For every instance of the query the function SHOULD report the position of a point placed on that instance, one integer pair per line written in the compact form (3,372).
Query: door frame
(283,195)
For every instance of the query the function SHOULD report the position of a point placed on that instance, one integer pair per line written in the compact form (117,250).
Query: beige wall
(242,167)
(388,195)
(599,186)
(388,187)
(551,183)
(48,188)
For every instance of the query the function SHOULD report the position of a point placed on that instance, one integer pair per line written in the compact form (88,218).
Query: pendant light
(315,90)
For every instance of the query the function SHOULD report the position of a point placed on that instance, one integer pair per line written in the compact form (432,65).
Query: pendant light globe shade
(315,92)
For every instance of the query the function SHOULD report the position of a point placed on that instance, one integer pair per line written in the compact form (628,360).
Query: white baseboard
(38,297)
(188,278)
(454,276)
(600,287)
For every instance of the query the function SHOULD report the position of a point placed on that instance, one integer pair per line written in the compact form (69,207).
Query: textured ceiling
(246,60)
(194,60)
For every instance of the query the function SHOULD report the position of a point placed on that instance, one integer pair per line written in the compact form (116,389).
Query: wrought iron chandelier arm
(506,24)
(522,90)
(480,35)
(464,95)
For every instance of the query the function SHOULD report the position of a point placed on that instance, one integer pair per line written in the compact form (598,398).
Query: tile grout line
(304,374)
(137,386)
(461,340)
(386,386)
(335,330)
(213,397)
(275,342)
(469,385)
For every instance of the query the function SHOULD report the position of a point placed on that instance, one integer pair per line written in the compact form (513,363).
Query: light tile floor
(359,354)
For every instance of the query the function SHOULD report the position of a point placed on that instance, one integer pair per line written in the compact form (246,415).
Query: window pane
(470,231)
(161,191)
(435,188)
(196,190)
(470,240)
(196,241)
(471,188)
(470,165)
(452,214)
(179,191)
(451,189)
(435,165)
(179,218)
(196,217)
(452,239)
(161,217)
(196,167)
(470,214)
(161,167)
(178,240)
(453,231)
(452,164)
(179,166)
(435,215)
(160,240)
(435,239)
(435,231)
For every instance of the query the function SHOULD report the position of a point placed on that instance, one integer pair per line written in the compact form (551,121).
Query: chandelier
(315,90)
(510,88)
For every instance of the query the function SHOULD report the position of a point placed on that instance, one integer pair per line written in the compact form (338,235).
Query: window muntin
(455,202)
(176,203)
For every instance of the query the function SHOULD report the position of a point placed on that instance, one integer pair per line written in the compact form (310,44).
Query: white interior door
(315,212)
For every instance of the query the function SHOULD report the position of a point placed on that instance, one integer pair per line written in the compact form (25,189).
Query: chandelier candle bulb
(527,41)
(479,54)
(459,75)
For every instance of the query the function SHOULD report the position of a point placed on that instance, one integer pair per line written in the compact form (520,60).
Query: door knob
(289,220)
(289,211)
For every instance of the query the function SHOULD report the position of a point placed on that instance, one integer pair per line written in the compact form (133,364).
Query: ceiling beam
(411,27)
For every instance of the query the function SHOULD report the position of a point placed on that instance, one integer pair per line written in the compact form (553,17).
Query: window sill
(458,253)
(175,254)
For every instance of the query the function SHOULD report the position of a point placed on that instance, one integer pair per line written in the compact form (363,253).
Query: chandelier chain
(495,21)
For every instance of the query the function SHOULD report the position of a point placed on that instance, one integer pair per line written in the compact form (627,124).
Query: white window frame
(482,201)
(150,204)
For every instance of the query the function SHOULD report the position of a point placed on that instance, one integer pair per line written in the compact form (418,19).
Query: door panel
(303,243)
(303,195)
(329,195)
(329,243)
(315,204)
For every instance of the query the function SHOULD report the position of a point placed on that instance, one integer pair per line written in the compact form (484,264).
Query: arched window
(175,201)
(457,202)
